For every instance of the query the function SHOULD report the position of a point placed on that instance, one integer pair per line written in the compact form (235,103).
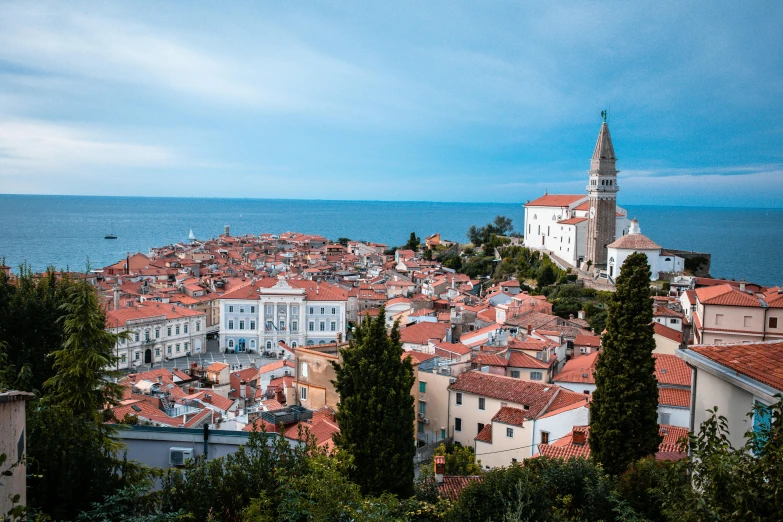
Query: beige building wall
(471,415)
(436,396)
(665,345)
(733,324)
(13,445)
(315,370)
(732,402)
(504,448)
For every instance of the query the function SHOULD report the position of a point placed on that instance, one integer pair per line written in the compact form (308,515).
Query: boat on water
(109,236)
(191,236)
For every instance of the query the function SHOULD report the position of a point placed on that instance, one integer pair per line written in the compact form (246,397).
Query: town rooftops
(671,370)
(727,295)
(587,340)
(556,200)
(761,361)
(535,397)
(121,316)
(567,447)
(633,241)
(420,333)
(669,333)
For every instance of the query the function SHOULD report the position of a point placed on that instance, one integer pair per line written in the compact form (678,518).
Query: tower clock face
(592,212)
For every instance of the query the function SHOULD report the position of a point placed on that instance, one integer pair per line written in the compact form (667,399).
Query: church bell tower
(602,190)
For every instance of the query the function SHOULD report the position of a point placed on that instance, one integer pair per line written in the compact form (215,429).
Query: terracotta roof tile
(671,370)
(762,361)
(555,200)
(509,415)
(420,333)
(669,333)
(674,397)
(485,435)
(635,242)
(534,395)
(726,295)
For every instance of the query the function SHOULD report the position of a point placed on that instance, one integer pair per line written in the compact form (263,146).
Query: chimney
(571,316)
(581,314)
(742,285)
(191,390)
(579,437)
(116,298)
(529,329)
(227,230)
(440,468)
(127,262)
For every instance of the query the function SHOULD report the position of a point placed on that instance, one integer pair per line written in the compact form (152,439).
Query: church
(580,228)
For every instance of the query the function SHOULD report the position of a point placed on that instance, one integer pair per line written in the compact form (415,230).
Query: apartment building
(725,314)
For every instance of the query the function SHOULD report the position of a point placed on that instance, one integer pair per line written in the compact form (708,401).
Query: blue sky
(441,101)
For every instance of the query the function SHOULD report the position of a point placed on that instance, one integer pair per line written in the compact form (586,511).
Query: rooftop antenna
(604,114)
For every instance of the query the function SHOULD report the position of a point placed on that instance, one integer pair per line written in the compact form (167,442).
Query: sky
(414,101)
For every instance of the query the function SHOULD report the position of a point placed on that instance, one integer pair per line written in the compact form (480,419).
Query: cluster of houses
(495,369)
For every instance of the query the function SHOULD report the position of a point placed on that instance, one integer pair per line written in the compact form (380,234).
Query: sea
(67,232)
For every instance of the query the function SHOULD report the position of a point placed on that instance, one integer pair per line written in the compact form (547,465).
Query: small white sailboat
(191,236)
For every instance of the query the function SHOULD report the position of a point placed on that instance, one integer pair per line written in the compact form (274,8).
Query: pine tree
(83,381)
(375,413)
(624,418)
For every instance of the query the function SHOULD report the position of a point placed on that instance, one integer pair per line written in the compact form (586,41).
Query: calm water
(65,231)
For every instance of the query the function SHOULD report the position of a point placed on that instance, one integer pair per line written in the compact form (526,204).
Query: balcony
(288,415)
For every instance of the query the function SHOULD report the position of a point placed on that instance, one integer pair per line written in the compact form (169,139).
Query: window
(176,347)
(157,352)
(304,369)
(717,341)
(124,359)
(544,437)
(718,319)
(423,407)
(252,309)
(322,327)
(230,325)
(269,345)
(136,356)
(482,403)
(536,376)
(168,349)
(230,343)
(252,343)
(513,461)
(323,311)
(241,325)
(442,433)
(293,344)
(136,336)
(510,432)
(157,333)
(420,427)
(147,336)
(459,398)
(762,417)
(311,326)
(664,418)
(303,393)
(185,328)
(333,326)
(747,321)
(675,321)
(311,310)
(252,325)
(282,326)
(457,424)
(422,387)
(334,311)
(168,331)
(480,427)
(773,322)
(515,374)
(187,346)
(230,308)
(176,329)
(294,326)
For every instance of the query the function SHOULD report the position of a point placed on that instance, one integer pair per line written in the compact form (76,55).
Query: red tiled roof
(572,221)
(579,370)
(523,360)
(587,340)
(485,435)
(509,415)
(486,359)
(555,200)
(669,333)
(417,357)
(122,315)
(726,295)
(534,395)
(635,242)
(671,370)
(420,333)
(674,397)
(762,361)
(454,484)
(564,448)
(566,398)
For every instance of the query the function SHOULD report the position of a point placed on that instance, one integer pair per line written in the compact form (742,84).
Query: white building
(157,332)
(298,313)
(635,241)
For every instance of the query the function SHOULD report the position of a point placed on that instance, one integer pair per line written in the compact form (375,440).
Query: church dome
(635,240)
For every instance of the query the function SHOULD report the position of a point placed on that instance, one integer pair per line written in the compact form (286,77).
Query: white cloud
(27,145)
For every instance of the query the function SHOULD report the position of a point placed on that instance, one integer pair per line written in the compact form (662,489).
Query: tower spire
(603,147)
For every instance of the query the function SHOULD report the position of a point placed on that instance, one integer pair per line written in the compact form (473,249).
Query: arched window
(668,259)
(321,342)
(611,260)
(535,216)
(230,343)
(293,344)
(252,343)
(310,342)
(269,345)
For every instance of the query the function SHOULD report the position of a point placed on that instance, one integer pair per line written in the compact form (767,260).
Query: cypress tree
(624,410)
(375,413)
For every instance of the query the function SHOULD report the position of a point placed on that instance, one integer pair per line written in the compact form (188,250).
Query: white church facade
(590,229)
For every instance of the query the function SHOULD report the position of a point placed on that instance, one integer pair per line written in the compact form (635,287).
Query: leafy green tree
(375,412)
(83,379)
(624,411)
(460,460)
(343,241)
(502,225)
(546,275)
(413,242)
(428,254)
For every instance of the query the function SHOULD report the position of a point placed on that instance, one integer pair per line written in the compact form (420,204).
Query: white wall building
(258,316)
(635,241)
(157,332)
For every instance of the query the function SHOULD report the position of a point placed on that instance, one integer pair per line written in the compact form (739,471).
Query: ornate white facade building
(258,316)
